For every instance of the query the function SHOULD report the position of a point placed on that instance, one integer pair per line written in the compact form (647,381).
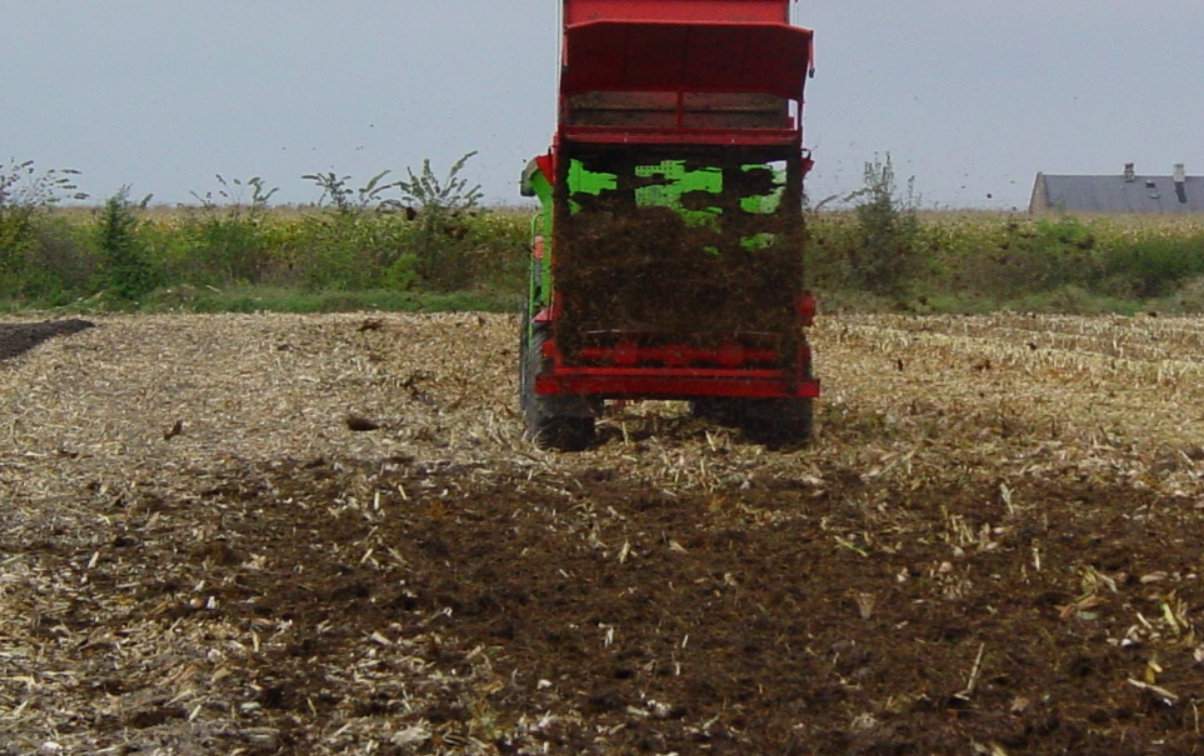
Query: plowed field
(994,545)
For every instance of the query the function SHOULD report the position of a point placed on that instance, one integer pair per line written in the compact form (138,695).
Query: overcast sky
(971,97)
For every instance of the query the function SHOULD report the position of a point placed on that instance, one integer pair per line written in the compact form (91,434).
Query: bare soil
(17,338)
(941,572)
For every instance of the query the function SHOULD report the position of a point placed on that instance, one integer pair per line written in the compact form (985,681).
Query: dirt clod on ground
(964,561)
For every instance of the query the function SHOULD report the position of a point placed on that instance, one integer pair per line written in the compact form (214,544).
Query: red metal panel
(547,166)
(807,306)
(673,57)
(625,380)
(670,384)
(733,355)
(753,138)
(740,11)
(746,137)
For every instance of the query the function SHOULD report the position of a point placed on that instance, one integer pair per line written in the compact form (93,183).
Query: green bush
(368,239)
(425,242)
(1189,298)
(61,265)
(344,251)
(224,240)
(1022,258)
(402,274)
(1154,267)
(125,268)
(444,208)
(975,262)
(28,252)
(884,256)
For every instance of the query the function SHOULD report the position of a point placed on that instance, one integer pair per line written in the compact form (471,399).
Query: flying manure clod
(667,259)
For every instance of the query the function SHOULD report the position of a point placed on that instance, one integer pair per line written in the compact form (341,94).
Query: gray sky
(972,97)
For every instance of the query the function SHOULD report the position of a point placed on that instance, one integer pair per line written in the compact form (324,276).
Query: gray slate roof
(1112,194)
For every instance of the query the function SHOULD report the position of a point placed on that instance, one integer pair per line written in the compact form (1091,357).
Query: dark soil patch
(18,338)
(754,620)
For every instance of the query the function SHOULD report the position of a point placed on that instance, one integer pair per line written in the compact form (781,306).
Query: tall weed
(27,195)
(442,207)
(225,239)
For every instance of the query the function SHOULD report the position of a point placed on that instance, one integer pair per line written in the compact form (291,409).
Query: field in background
(308,259)
(991,547)
(977,262)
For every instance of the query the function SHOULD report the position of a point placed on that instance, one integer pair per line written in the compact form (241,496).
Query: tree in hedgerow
(127,271)
(885,255)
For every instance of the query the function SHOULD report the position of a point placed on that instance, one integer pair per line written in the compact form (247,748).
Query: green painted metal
(764,204)
(678,182)
(584,181)
(539,294)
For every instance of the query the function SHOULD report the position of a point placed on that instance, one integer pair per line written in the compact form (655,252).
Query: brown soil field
(992,546)
(18,338)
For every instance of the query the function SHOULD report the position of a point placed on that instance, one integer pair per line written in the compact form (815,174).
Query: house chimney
(1130,172)
(1180,173)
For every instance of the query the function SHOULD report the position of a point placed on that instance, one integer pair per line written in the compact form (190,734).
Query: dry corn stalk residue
(299,534)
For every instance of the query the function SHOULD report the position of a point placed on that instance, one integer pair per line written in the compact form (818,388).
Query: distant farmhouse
(1120,193)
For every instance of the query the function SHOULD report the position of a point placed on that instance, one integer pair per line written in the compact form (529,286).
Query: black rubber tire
(715,409)
(524,389)
(560,423)
(779,421)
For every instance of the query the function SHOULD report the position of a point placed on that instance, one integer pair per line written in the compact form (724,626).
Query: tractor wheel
(552,422)
(777,420)
(715,409)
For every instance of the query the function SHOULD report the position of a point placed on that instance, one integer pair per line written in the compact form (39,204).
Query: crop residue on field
(992,545)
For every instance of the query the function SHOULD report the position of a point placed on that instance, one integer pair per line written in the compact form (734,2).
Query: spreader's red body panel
(699,75)
(629,50)
(641,373)
(677,57)
(678,11)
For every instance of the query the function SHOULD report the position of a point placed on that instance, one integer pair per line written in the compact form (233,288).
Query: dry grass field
(993,546)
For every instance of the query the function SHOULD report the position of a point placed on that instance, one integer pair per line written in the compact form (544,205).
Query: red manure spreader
(667,259)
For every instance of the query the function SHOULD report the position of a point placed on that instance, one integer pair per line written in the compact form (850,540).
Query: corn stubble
(992,545)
